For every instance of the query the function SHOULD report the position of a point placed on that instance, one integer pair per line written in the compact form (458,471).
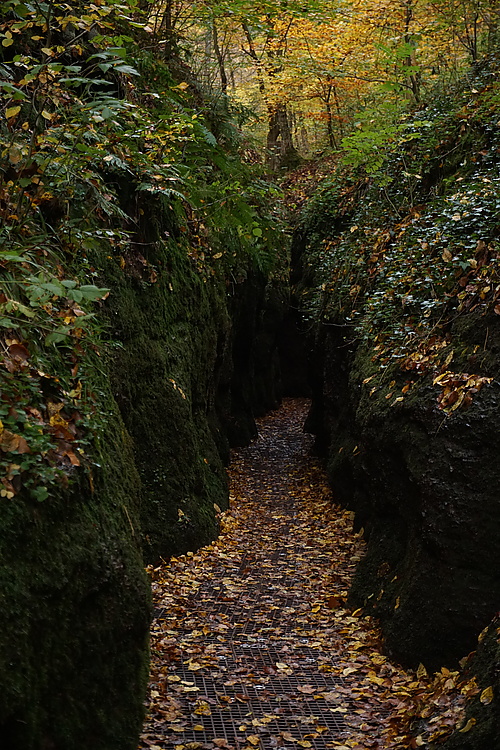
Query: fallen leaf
(11,112)
(19,352)
(468,726)
(307,689)
(486,696)
(421,671)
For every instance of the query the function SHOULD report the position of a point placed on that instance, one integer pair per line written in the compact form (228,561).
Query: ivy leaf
(40,493)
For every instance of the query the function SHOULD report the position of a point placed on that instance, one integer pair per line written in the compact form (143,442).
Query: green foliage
(378,133)
(94,128)
(398,259)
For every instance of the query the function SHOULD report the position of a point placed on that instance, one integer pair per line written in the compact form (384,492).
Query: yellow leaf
(12,112)
(304,743)
(421,671)
(468,726)
(348,670)
(47,115)
(253,739)
(486,696)
(7,42)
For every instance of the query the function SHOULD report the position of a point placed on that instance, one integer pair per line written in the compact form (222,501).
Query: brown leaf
(307,689)
(73,458)
(19,352)
(333,602)
(12,443)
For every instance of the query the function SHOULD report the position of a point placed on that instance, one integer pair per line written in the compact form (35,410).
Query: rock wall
(397,273)
(75,609)
(197,361)
(117,414)
(424,488)
(193,360)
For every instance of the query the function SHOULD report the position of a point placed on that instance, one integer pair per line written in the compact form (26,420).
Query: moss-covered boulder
(140,299)
(75,609)
(197,361)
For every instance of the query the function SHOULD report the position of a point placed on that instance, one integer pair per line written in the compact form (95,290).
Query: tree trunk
(170,44)
(220,59)
(413,79)
(280,149)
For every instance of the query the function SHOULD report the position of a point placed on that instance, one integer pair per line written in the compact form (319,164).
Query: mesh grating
(258,679)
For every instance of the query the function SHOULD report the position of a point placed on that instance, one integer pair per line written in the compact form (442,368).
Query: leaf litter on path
(253,645)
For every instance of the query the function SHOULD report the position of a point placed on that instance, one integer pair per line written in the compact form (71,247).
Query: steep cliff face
(192,359)
(399,282)
(424,488)
(75,608)
(197,363)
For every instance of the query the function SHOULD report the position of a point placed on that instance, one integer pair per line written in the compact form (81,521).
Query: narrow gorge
(190,232)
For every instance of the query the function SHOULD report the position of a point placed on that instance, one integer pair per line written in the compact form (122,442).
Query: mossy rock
(75,610)
(197,362)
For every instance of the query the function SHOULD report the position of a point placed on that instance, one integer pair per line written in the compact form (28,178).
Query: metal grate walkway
(246,647)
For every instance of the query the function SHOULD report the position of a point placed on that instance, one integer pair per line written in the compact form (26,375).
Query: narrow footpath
(253,645)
